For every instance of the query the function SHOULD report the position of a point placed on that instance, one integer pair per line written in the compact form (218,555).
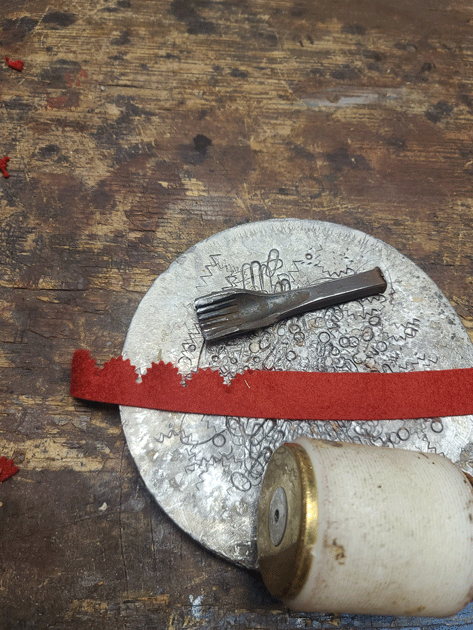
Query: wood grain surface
(136,129)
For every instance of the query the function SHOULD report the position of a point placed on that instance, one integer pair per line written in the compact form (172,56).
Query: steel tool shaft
(233,311)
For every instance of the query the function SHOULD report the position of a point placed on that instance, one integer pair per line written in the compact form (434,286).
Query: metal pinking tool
(234,311)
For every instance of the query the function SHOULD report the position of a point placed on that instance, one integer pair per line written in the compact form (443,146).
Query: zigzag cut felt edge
(277,394)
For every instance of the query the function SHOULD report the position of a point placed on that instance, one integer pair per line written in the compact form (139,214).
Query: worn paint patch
(80,607)
(58,454)
(196,608)
(55,75)
(195,188)
(337,99)
(63,101)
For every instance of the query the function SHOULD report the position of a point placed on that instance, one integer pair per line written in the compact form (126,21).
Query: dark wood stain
(201,143)
(122,40)
(56,75)
(354,29)
(341,159)
(14,30)
(59,19)
(437,112)
(187,11)
(238,74)
(345,73)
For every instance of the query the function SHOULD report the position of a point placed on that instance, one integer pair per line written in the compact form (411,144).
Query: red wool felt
(16,65)
(273,394)
(7,469)
(3,166)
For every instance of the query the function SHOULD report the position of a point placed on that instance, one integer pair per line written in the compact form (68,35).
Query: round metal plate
(206,471)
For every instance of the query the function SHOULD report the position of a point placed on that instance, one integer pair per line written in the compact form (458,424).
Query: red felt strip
(7,469)
(273,394)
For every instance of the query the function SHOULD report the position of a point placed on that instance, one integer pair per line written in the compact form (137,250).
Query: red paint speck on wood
(15,64)
(7,469)
(3,166)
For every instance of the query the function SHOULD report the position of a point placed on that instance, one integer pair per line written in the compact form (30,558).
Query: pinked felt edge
(277,394)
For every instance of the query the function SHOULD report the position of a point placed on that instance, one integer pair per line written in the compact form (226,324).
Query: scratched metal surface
(206,471)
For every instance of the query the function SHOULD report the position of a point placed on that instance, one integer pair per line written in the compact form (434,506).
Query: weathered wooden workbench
(354,112)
